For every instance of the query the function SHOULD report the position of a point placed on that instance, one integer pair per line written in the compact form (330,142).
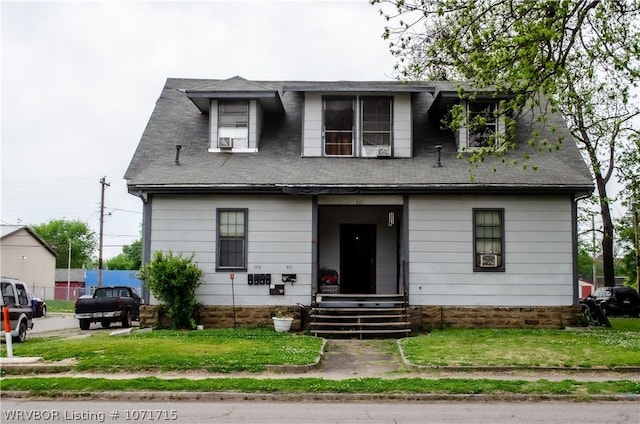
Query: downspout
(314,247)
(405,247)
(146,243)
(146,237)
(574,242)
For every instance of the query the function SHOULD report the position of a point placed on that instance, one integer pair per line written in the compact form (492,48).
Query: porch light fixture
(392,219)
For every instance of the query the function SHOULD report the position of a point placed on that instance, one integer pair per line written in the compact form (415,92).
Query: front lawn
(252,350)
(215,350)
(588,348)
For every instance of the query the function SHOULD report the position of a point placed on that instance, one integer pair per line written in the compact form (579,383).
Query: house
(25,256)
(69,283)
(269,182)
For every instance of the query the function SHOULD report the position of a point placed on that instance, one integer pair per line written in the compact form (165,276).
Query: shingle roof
(279,166)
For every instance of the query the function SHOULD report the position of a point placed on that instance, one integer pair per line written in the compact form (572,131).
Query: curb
(315,397)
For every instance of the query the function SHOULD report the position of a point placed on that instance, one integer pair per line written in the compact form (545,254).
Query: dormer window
(478,119)
(483,124)
(358,126)
(236,108)
(233,124)
(338,127)
(376,123)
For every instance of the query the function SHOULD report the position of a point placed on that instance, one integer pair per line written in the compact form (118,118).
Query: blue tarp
(112,278)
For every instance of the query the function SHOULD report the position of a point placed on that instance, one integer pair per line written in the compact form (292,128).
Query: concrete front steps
(359,315)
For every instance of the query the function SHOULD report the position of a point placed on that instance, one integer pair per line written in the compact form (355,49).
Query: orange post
(5,318)
(7,331)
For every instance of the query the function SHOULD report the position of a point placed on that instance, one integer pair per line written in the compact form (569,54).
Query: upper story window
(376,122)
(357,127)
(485,127)
(233,123)
(483,124)
(338,127)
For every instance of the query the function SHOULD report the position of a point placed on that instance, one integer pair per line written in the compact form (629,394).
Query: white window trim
(214,130)
(357,140)
(462,136)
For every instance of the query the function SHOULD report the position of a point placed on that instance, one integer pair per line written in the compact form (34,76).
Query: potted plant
(281,322)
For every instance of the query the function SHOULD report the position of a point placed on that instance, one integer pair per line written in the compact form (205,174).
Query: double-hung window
(338,126)
(376,121)
(488,235)
(232,239)
(483,124)
(233,124)
(357,126)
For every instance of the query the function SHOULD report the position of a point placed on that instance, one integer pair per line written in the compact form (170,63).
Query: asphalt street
(36,411)
(52,323)
(55,324)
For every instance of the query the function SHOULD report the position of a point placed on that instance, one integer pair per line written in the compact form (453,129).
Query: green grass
(59,305)
(625,324)
(588,348)
(252,349)
(53,386)
(221,350)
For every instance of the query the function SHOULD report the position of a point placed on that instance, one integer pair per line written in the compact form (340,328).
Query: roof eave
(576,190)
(270,100)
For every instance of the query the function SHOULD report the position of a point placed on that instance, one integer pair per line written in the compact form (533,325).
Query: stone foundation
(422,318)
(430,317)
(223,316)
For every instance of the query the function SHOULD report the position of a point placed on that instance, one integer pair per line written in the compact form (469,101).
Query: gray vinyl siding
(312,125)
(279,242)
(538,252)
(402,129)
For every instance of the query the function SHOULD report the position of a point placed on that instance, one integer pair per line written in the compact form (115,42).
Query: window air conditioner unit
(225,142)
(489,261)
(383,151)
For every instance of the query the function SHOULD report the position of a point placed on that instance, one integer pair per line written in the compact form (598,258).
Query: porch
(359,315)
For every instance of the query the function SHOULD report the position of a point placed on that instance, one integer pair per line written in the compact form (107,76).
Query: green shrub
(173,280)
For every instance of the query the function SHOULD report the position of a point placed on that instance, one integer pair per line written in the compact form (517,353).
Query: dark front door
(358,258)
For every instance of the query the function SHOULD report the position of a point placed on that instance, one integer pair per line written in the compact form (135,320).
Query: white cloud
(80,79)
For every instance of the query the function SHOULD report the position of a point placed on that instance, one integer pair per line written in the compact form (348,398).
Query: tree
(625,228)
(60,233)
(130,258)
(629,171)
(173,280)
(121,261)
(583,56)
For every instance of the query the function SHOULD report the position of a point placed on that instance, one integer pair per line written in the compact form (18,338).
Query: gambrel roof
(181,118)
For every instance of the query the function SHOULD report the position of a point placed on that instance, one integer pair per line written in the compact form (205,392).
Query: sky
(79,80)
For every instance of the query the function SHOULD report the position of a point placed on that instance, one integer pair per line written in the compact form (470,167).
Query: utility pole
(104,185)
(636,230)
(593,246)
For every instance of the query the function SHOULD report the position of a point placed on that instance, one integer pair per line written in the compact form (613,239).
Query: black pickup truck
(107,305)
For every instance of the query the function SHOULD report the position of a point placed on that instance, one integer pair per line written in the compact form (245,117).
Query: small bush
(173,280)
